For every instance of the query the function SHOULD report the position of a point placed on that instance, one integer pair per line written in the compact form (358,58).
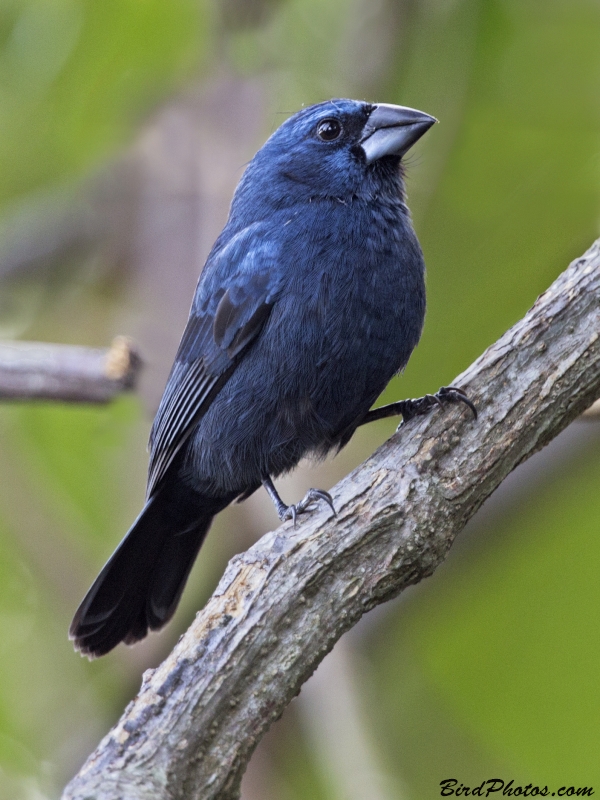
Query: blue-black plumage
(312,298)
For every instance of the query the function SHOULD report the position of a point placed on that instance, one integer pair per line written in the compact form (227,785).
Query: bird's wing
(234,298)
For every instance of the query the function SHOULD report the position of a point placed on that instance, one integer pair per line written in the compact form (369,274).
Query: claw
(454,395)
(423,405)
(312,496)
(291,512)
(316,494)
(435,399)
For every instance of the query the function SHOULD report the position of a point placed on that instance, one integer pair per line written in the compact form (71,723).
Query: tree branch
(41,371)
(282,605)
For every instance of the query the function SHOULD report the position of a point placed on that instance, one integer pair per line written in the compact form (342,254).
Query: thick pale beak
(392,130)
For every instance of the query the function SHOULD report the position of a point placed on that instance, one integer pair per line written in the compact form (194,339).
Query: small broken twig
(42,371)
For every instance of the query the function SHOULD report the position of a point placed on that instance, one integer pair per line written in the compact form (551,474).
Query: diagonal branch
(41,371)
(282,605)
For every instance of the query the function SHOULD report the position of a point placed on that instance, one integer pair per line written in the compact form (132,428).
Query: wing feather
(227,316)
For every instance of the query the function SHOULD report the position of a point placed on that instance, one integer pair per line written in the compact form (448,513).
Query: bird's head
(339,148)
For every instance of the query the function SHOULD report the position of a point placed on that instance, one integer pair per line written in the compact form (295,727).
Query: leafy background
(124,126)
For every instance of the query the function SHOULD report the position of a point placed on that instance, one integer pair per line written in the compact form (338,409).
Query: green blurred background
(124,127)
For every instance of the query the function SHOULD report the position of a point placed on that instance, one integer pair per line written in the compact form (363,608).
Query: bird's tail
(140,585)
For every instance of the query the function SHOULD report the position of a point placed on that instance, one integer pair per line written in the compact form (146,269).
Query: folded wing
(235,295)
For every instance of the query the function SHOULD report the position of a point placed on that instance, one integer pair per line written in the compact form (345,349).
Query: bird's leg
(291,512)
(421,405)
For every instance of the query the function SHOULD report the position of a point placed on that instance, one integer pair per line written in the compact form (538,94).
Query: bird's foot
(310,498)
(423,405)
(293,511)
(408,409)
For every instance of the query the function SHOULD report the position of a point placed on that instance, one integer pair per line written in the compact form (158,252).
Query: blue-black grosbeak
(311,299)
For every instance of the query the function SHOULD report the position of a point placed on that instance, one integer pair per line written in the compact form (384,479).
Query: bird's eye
(329,129)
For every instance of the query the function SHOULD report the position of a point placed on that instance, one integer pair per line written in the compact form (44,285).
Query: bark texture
(282,605)
(41,371)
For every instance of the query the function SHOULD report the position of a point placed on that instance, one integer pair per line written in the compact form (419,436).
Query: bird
(311,299)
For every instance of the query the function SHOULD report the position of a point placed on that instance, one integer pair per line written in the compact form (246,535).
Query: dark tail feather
(140,585)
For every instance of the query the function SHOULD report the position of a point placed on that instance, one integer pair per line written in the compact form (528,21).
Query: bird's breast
(351,313)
